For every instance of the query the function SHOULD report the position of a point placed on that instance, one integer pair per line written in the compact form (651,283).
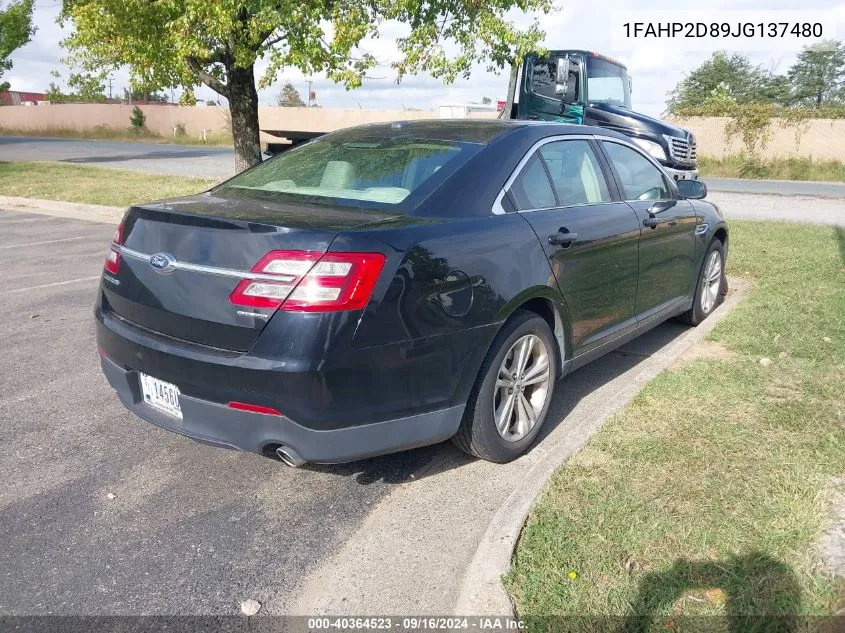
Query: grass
(774,169)
(108,133)
(707,494)
(92,185)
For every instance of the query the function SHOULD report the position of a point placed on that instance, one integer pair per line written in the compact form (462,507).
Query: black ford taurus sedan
(395,285)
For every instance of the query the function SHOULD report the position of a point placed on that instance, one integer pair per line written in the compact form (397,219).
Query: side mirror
(692,189)
(562,74)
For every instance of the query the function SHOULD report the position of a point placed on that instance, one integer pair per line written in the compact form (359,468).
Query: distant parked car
(396,285)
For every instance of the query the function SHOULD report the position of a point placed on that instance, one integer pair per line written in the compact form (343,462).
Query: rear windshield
(355,170)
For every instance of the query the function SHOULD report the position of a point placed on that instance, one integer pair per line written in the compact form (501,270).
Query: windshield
(607,83)
(353,168)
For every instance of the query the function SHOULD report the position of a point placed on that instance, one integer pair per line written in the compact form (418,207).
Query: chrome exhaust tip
(290,457)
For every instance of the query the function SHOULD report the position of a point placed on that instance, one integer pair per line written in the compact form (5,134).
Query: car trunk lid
(181,260)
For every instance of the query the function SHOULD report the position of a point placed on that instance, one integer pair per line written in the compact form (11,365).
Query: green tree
(15,30)
(187,98)
(775,89)
(187,42)
(142,94)
(82,88)
(138,120)
(818,76)
(732,73)
(87,87)
(289,97)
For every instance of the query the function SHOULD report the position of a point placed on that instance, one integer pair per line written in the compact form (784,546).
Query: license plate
(161,395)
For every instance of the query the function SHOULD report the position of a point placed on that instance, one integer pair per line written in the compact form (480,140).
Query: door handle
(651,222)
(562,238)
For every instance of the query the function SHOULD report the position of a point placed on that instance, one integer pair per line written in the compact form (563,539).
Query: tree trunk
(243,106)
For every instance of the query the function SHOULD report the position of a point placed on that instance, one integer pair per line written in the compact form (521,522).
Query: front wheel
(511,396)
(712,285)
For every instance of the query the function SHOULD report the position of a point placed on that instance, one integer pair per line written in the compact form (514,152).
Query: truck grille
(682,150)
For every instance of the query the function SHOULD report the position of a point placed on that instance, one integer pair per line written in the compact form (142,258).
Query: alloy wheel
(522,387)
(711,282)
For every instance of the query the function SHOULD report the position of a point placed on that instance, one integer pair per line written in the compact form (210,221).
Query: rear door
(667,224)
(590,239)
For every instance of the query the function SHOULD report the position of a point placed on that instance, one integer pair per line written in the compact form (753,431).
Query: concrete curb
(481,590)
(60,209)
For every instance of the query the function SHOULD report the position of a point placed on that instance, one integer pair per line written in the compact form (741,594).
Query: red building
(16,97)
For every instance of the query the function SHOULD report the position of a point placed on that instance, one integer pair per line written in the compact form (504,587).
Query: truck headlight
(654,150)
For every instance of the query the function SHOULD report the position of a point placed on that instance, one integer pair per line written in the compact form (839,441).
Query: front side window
(543,74)
(351,168)
(575,172)
(640,179)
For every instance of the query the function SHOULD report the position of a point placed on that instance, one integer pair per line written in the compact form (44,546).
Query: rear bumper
(218,425)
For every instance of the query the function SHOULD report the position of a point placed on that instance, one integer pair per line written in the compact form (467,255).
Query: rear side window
(354,168)
(575,171)
(640,179)
(531,189)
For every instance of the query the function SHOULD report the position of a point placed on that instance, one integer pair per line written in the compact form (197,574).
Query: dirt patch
(832,544)
(708,350)
(590,458)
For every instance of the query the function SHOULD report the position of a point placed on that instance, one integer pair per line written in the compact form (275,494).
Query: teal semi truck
(576,86)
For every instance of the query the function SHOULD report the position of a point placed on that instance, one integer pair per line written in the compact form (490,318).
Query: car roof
(481,131)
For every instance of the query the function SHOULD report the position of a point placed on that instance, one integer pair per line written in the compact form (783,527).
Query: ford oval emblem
(163,263)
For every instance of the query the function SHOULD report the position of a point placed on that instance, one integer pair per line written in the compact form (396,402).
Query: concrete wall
(214,119)
(818,138)
(821,139)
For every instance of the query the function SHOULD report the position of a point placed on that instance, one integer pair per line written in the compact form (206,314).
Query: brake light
(253,408)
(113,257)
(311,281)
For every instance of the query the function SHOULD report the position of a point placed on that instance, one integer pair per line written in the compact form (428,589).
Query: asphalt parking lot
(192,529)
(104,514)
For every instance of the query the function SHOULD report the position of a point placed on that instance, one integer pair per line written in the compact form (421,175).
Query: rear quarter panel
(453,275)
(449,287)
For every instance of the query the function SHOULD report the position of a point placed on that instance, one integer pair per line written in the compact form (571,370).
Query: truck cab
(575,86)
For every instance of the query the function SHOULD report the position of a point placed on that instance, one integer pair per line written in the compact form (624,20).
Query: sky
(656,66)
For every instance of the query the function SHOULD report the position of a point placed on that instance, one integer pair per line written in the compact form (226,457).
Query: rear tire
(516,405)
(712,285)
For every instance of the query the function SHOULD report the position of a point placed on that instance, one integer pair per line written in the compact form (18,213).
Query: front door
(667,237)
(591,241)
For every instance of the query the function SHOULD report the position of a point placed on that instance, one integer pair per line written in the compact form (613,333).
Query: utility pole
(308,104)
(110,80)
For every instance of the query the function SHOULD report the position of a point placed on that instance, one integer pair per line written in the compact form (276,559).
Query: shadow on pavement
(174,153)
(417,464)
(760,594)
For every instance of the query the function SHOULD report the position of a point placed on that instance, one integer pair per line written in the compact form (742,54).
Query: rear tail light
(113,257)
(253,408)
(311,281)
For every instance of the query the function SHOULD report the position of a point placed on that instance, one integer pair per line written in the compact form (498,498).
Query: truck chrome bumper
(681,174)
